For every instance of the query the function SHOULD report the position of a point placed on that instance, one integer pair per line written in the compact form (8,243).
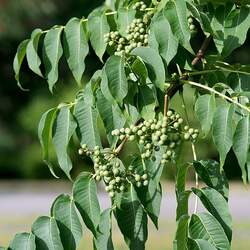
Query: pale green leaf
(199,244)
(103,240)
(76,47)
(162,39)
(154,63)
(209,172)
(116,78)
(205,107)
(63,210)
(63,129)
(47,234)
(18,60)
(146,102)
(241,144)
(86,117)
(132,220)
(45,135)
(98,26)
(215,203)
(205,226)
(176,14)
(125,16)
(33,58)
(223,130)
(52,52)
(86,200)
(23,241)
(181,235)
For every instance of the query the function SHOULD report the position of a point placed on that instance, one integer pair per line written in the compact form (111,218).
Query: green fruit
(144,177)
(186,136)
(192,27)
(137,177)
(190,20)
(145,183)
(111,194)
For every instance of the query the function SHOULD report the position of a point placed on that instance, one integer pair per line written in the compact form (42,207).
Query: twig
(166,103)
(121,145)
(202,50)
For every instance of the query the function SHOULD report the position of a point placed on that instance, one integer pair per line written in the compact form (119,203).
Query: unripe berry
(192,27)
(137,177)
(98,178)
(186,136)
(144,177)
(145,183)
(111,194)
(80,151)
(131,138)
(190,20)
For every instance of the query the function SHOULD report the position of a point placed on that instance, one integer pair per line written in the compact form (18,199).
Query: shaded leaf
(45,135)
(63,210)
(47,234)
(85,197)
(63,129)
(23,241)
(52,52)
(33,58)
(140,70)
(18,60)
(205,107)
(76,47)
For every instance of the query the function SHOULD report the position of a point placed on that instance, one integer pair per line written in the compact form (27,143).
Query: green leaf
(205,226)
(85,197)
(45,135)
(199,244)
(132,220)
(116,81)
(162,39)
(63,129)
(241,144)
(209,172)
(111,116)
(86,117)
(154,64)
(103,240)
(237,25)
(47,234)
(180,241)
(140,70)
(125,16)
(98,27)
(33,58)
(18,60)
(205,107)
(215,203)
(63,210)
(23,241)
(223,130)
(146,102)
(52,52)
(176,14)
(76,47)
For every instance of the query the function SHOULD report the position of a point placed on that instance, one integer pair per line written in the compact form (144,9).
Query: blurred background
(22,173)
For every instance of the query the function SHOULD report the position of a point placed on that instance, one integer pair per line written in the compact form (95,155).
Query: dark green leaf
(85,197)
(45,135)
(23,241)
(223,130)
(132,220)
(33,59)
(52,53)
(76,47)
(103,240)
(199,244)
(155,66)
(205,107)
(162,39)
(98,27)
(181,235)
(63,210)
(116,80)
(140,70)
(205,226)
(63,129)
(86,117)
(47,234)
(18,60)
(215,203)
(176,14)
(241,144)
(209,172)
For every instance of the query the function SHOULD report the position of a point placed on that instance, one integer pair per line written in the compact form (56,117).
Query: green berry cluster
(110,169)
(191,24)
(167,131)
(139,6)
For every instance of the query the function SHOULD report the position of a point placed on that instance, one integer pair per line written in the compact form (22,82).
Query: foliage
(148,57)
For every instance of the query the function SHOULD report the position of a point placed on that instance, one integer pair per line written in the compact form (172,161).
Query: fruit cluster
(167,131)
(192,27)
(111,170)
